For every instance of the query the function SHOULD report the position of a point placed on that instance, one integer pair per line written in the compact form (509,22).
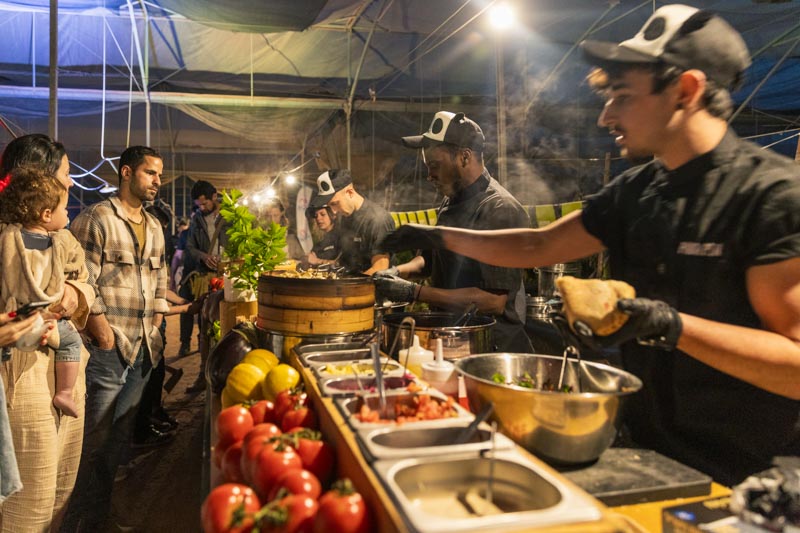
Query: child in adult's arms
(34,262)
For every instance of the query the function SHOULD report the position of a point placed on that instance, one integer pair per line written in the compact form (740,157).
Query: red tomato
(299,416)
(270,464)
(286,399)
(263,411)
(343,510)
(298,516)
(296,482)
(233,423)
(251,447)
(229,508)
(317,455)
(232,463)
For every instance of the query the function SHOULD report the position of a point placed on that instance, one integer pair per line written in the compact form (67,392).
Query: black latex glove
(394,288)
(412,237)
(650,322)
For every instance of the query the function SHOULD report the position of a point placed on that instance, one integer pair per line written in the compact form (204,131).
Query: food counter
(352,463)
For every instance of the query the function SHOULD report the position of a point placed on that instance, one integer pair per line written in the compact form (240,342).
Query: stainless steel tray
(394,442)
(351,405)
(351,385)
(430,493)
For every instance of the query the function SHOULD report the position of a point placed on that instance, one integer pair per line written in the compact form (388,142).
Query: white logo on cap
(659,29)
(324,184)
(441,121)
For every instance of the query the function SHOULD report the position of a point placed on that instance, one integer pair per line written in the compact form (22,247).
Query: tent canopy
(239,91)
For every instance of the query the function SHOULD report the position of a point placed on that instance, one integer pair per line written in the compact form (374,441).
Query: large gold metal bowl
(559,427)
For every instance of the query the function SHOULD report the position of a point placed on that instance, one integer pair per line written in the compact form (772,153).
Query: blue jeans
(113,392)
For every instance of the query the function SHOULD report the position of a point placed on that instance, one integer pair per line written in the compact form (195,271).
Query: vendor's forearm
(564,240)
(459,299)
(762,358)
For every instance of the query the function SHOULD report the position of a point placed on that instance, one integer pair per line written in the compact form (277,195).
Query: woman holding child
(47,440)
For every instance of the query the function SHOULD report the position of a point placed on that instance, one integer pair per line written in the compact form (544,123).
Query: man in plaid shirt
(125,257)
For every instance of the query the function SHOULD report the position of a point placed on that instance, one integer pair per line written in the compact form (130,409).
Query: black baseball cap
(329,183)
(449,128)
(682,36)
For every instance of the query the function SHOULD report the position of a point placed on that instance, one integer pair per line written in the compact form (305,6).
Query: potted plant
(250,248)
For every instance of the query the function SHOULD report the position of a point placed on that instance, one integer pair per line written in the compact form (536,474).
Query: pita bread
(594,301)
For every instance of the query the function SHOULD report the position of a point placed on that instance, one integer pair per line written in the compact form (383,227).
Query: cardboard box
(712,515)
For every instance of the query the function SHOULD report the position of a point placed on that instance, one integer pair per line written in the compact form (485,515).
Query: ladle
(465,435)
(376,364)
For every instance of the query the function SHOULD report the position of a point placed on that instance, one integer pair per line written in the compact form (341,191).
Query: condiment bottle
(441,374)
(416,356)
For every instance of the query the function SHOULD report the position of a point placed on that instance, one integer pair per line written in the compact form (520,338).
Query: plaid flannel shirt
(130,286)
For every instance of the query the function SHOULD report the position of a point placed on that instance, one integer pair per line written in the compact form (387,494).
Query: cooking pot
(457,341)
(549,274)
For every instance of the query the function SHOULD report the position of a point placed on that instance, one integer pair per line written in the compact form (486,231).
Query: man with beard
(452,149)
(708,233)
(362,224)
(125,257)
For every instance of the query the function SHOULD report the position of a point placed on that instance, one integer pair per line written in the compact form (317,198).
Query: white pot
(232,294)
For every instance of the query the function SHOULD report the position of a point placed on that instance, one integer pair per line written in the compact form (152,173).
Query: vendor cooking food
(708,233)
(362,224)
(452,149)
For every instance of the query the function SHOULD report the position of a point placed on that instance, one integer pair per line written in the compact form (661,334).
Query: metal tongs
(409,320)
(571,348)
(466,316)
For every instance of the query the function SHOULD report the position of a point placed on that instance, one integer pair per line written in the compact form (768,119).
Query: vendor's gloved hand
(391,271)
(651,322)
(394,288)
(412,237)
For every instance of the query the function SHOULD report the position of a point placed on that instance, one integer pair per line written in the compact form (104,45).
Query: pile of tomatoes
(275,466)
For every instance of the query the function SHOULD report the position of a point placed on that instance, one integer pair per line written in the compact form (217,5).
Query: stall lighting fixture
(501,16)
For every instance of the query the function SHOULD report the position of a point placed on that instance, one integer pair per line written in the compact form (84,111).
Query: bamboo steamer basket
(310,307)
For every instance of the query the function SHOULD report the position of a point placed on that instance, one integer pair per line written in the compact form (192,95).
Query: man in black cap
(708,233)
(362,224)
(452,149)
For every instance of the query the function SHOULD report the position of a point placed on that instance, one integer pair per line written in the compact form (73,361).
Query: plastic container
(441,374)
(29,341)
(417,355)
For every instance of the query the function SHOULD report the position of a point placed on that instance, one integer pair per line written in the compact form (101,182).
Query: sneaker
(184,350)
(162,416)
(152,438)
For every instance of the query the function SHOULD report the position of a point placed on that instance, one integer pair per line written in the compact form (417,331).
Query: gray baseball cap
(682,36)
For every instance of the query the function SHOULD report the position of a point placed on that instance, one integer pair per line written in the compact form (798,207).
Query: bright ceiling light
(501,16)
(290,179)
(256,198)
(270,193)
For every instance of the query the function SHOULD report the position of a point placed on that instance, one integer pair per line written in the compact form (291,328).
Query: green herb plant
(251,248)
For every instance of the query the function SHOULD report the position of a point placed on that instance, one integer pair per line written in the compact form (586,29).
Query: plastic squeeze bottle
(441,374)
(416,356)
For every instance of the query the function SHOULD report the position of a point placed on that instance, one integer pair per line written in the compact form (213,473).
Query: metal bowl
(559,427)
